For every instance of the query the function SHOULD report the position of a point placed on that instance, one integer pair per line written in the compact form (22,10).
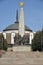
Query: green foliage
(37,42)
(1,38)
(3,43)
(42,39)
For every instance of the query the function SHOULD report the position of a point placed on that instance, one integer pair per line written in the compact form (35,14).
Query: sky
(33,13)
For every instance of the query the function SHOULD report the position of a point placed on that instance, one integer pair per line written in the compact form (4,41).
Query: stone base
(21,48)
(10,49)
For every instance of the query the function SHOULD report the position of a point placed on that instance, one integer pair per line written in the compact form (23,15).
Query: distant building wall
(0,33)
(8,38)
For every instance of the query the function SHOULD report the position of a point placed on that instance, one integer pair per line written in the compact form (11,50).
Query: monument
(21,20)
(17,33)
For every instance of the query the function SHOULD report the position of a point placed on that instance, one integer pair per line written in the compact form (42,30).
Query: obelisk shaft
(21,23)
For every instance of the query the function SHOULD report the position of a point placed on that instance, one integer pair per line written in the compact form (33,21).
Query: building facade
(18,28)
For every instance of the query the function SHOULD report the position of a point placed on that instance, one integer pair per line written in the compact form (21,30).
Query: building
(17,28)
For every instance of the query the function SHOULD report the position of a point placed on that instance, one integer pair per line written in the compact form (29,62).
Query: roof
(15,26)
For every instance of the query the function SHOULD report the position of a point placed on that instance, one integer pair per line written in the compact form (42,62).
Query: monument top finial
(21,4)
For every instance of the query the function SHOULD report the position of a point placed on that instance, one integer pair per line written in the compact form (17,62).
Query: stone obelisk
(21,20)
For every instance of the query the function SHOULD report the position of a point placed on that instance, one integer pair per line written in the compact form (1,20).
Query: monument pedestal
(21,48)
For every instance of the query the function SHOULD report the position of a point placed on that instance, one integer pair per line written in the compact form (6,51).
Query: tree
(37,42)
(42,40)
(1,38)
(3,43)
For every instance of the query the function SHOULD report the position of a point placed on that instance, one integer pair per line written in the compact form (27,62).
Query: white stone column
(12,37)
(21,22)
(4,34)
(31,37)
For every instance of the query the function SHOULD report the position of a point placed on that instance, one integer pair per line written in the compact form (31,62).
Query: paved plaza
(22,58)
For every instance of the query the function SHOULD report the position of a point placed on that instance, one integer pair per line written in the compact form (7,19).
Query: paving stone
(22,58)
